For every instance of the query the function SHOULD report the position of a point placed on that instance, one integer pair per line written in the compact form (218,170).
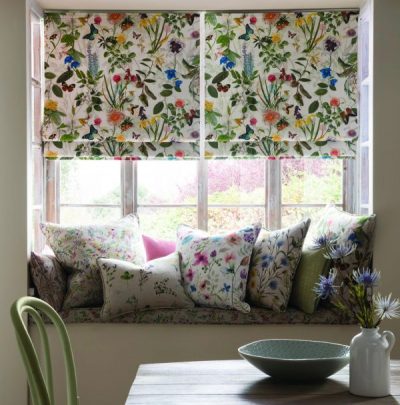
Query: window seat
(201,315)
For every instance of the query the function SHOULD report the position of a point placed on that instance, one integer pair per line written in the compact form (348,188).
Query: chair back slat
(42,386)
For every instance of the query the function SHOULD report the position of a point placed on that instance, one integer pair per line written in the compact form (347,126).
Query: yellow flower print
(309,19)
(120,138)
(51,105)
(315,58)
(276,38)
(121,38)
(159,60)
(299,22)
(208,105)
(300,123)
(276,138)
(309,119)
(153,119)
(144,124)
(208,155)
(153,20)
(50,154)
(144,22)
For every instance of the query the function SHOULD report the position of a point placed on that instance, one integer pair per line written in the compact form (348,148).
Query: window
(215,195)
(35,111)
(168,193)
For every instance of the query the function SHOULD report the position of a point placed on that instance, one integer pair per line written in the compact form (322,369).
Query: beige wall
(13,192)
(386,177)
(87,342)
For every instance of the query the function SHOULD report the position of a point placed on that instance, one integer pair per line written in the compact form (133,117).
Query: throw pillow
(49,278)
(313,264)
(156,248)
(343,227)
(215,268)
(273,264)
(130,288)
(79,247)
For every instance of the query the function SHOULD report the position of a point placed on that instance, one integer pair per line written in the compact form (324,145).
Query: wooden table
(232,382)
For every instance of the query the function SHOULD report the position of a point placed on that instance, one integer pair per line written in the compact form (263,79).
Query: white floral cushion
(77,248)
(215,268)
(275,258)
(342,227)
(131,288)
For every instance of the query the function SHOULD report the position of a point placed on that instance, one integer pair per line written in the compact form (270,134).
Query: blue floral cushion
(215,268)
(275,258)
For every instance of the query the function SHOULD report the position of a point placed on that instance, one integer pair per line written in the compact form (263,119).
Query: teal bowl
(296,360)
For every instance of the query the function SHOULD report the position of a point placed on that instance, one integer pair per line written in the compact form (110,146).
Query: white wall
(13,192)
(386,179)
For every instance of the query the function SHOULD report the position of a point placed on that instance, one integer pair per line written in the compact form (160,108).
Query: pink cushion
(156,248)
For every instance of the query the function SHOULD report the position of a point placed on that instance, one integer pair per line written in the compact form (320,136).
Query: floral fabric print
(281,84)
(131,288)
(211,316)
(78,248)
(215,268)
(49,278)
(121,85)
(273,265)
(342,227)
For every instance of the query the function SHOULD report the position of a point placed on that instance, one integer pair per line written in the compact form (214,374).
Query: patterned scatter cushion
(313,264)
(79,247)
(342,227)
(130,288)
(49,278)
(273,264)
(215,268)
(156,248)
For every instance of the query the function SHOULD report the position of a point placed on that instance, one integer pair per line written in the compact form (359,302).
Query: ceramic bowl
(296,360)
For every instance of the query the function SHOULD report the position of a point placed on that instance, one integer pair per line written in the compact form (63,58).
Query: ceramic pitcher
(370,363)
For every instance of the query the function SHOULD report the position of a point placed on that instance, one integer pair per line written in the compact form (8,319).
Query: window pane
(88,215)
(364,175)
(36,113)
(90,182)
(236,181)
(163,222)
(36,45)
(167,182)
(37,180)
(312,181)
(291,215)
(226,219)
(364,113)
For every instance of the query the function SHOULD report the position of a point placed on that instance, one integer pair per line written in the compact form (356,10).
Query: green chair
(41,387)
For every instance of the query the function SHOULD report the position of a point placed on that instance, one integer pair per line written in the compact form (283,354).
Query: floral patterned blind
(281,84)
(121,85)
(127,85)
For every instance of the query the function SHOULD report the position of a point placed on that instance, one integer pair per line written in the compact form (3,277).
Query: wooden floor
(237,382)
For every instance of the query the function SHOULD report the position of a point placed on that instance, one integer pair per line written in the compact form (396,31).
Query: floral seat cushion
(273,264)
(77,248)
(215,268)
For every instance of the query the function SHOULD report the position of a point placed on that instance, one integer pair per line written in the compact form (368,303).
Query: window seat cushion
(203,315)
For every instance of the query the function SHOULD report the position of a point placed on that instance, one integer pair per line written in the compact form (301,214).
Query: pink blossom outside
(156,248)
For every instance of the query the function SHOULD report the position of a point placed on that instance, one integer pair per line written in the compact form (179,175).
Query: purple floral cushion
(215,268)
(49,278)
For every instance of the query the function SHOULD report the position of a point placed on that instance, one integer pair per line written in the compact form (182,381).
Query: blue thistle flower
(326,286)
(340,250)
(366,277)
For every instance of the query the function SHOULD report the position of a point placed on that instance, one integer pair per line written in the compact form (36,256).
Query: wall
(386,182)
(13,192)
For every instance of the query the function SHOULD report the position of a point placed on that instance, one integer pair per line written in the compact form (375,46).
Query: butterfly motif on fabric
(249,131)
(246,35)
(92,34)
(92,132)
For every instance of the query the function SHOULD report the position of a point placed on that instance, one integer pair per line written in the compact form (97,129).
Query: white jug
(370,363)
